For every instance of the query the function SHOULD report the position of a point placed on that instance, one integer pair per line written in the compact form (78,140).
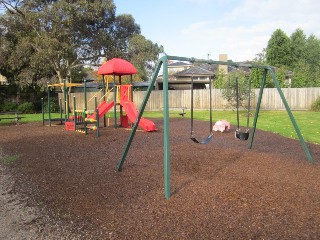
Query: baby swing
(238,133)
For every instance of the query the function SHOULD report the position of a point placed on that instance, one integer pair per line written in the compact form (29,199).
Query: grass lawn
(273,121)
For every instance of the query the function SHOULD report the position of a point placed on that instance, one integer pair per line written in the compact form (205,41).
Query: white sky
(241,29)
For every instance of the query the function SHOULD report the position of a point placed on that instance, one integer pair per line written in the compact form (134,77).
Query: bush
(54,105)
(8,107)
(27,107)
(316,105)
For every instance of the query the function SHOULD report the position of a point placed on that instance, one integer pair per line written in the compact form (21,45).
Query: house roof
(141,84)
(196,70)
(178,64)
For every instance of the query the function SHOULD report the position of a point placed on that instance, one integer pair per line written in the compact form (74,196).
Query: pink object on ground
(221,125)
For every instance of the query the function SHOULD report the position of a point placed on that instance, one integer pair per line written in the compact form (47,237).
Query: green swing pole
(121,112)
(65,100)
(97,116)
(294,123)
(135,126)
(85,121)
(42,108)
(85,93)
(49,109)
(74,113)
(85,106)
(131,82)
(60,109)
(262,84)
(104,98)
(166,131)
(115,101)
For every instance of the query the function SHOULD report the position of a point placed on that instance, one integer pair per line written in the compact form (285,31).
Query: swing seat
(205,141)
(242,135)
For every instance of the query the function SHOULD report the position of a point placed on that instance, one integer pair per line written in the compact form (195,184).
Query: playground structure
(163,62)
(122,94)
(65,89)
(84,119)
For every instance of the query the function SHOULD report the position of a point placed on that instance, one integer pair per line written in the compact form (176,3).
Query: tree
(257,74)
(313,61)
(300,74)
(125,28)
(229,89)
(278,51)
(16,56)
(298,47)
(220,79)
(143,53)
(70,34)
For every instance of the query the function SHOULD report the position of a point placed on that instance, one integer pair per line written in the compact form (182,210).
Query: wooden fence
(297,98)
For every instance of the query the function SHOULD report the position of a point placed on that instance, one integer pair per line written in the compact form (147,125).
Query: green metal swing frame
(163,62)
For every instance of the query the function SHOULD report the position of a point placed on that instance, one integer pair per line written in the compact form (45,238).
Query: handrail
(108,91)
(94,95)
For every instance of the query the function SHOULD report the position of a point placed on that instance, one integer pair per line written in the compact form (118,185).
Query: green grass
(28,118)
(273,121)
(9,159)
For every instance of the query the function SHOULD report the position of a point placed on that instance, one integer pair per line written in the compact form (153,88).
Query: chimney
(223,58)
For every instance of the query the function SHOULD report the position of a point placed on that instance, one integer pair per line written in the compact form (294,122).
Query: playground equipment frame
(65,87)
(163,62)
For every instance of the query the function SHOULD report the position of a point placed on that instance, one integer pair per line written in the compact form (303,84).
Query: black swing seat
(242,135)
(205,141)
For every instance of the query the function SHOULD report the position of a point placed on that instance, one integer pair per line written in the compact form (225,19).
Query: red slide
(103,108)
(132,114)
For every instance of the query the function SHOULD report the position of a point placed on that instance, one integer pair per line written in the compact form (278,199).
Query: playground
(219,190)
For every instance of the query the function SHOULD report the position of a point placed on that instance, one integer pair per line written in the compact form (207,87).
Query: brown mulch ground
(221,190)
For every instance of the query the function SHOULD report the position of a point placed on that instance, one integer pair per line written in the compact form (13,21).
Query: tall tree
(278,51)
(143,53)
(70,34)
(313,50)
(313,61)
(298,47)
(16,52)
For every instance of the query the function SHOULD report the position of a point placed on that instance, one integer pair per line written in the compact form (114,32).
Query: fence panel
(297,98)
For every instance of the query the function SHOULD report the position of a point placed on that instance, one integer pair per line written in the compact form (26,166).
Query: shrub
(8,106)
(27,107)
(54,105)
(316,105)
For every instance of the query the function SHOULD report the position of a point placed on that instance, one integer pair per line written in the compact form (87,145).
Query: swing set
(163,62)
(242,135)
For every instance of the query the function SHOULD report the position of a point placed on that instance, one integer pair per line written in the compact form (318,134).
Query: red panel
(69,126)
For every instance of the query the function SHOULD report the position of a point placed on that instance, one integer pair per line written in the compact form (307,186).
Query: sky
(206,28)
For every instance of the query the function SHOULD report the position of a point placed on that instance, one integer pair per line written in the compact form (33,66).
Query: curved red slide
(132,114)
(104,107)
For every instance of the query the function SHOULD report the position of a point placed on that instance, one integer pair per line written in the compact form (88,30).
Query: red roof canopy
(118,67)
